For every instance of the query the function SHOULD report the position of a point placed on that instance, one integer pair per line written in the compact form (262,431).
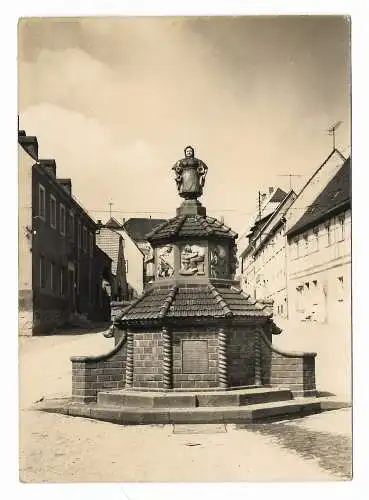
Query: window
(84,241)
(62,219)
(329,233)
(300,247)
(126,264)
(52,276)
(293,249)
(42,272)
(91,244)
(340,229)
(299,298)
(306,244)
(71,226)
(79,234)
(41,202)
(315,241)
(52,211)
(62,284)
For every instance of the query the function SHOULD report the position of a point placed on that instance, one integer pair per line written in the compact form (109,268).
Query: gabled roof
(109,242)
(277,196)
(191,226)
(336,196)
(113,224)
(139,227)
(205,301)
(261,227)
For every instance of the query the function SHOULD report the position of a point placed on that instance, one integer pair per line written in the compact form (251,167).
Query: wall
(25,319)
(134,264)
(241,357)
(59,296)
(316,265)
(147,359)
(320,304)
(91,374)
(264,270)
(287,369)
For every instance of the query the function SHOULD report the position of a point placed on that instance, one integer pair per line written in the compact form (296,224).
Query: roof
(109,240)
(277,196)
(258,232)
(336,196)
(196,302)
(191,226)
(113,224)
(138,228)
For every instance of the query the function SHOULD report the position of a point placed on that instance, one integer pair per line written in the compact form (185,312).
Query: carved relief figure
(218,262)
(190,175)
(234,260)
(165,267)
(192,260)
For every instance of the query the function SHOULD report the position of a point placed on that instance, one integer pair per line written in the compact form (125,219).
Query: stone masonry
(91,374)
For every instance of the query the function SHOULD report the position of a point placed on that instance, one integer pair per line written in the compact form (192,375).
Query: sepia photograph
(184,249)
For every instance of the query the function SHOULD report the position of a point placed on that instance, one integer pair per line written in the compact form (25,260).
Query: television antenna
(332,131)
(110,205)
(290,177)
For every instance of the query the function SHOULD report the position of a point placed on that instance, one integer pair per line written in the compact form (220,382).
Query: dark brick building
(57,246)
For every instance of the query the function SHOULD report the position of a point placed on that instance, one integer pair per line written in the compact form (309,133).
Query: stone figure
(165,268)
(190,175)
(192,260)
(148,251)
(234,260)
(218,262)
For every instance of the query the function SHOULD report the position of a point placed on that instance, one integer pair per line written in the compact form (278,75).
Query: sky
(116,100)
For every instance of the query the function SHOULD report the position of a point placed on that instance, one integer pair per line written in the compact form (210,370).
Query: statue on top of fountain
(190,175)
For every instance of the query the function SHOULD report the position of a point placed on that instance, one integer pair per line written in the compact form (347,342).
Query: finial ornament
(190,175)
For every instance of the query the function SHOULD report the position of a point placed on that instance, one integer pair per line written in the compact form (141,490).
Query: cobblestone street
(56,448)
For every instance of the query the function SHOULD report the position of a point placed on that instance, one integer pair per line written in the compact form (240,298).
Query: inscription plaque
(195,357)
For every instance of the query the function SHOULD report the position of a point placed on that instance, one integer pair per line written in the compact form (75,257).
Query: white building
(263,265)
(319,275)
(320,254)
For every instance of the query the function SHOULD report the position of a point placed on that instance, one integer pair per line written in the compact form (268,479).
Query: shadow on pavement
(333,452)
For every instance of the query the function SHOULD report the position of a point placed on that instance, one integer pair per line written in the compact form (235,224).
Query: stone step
(135,399)
(228,415)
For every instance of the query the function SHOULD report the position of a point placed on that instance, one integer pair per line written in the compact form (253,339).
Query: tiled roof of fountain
(190,226)
(201,301)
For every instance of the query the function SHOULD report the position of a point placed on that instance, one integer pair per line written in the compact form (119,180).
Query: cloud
(100,167)
(116,100)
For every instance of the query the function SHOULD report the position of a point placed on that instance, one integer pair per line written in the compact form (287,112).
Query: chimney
(49,166)
(66,184)
(99,223)
(271,189)
(29,144)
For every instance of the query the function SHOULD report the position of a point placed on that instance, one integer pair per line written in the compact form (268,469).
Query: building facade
(319,276)
(139,257)
(112,243)
(56,246)
(264,261)
(320,254)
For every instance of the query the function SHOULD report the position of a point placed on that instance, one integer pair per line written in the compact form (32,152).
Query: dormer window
(52,211)
(62,219)
(41,202)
